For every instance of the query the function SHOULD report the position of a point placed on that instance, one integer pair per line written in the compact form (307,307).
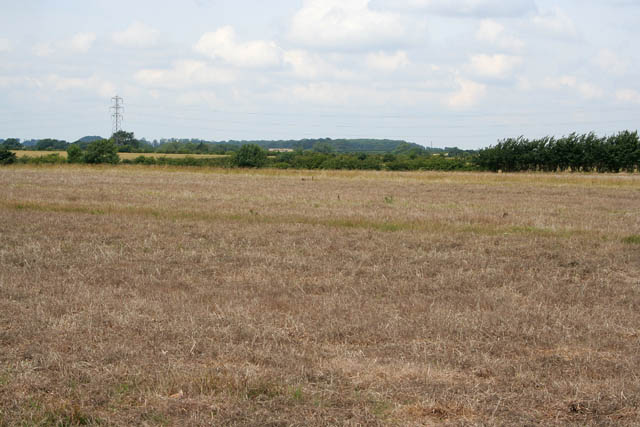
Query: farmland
(167,296)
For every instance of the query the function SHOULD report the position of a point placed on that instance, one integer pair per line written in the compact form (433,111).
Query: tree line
(575,152)
(127,142)
(253,156)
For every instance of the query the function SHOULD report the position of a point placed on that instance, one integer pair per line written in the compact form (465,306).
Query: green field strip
(338,222)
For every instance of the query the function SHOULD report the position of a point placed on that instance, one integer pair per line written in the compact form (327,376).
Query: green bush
(6,156)
(75,154)
(281,165)
(250,156)
(102,151)
(49,159)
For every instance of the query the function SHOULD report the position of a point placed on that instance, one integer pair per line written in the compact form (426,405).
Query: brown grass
(167,296)
(129,156)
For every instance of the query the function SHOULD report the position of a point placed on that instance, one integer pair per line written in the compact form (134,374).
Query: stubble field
(158,296)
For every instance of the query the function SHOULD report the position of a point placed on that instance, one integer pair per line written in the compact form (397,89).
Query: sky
(446,73)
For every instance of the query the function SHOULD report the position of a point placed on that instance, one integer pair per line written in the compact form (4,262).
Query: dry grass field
(165,296)
(36,153)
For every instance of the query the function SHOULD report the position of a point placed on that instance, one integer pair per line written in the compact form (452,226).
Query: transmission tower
(117,115)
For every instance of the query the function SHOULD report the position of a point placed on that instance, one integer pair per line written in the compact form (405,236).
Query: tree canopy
(250,156)
(103,151)
(6,156)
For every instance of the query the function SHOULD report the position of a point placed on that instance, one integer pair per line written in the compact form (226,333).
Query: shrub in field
(147,160)
(6,156)
(398,165)
(281,165)
(140,160)
(75,154)
(250,156)
(49,159)
(217,162)
(102,151)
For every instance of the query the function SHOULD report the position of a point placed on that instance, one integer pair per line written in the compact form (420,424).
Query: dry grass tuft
(165,296)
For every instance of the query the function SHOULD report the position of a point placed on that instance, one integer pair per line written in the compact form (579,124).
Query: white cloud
(137,35)
(495,66)
(590,91)
(20,82)
(184,74)
(82,42)
(493,32)
(468,94)
(5,45)
(94,84)
(345,95)
(43,49)
(585,89)
(489,30)
(479,8)
(222,44)
(321,93)
(524,84)
(555,23)
(198,98)
(79,43)
(306,65)
(352,96)
(611,62)
(347,25)
(388,62)
(628,95)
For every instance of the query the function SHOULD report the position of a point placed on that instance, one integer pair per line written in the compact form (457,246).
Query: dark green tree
(12,144)
(51,144)
(75,154)
(323,147)
(103,151)
(125,141)
(250,156)
(6,157)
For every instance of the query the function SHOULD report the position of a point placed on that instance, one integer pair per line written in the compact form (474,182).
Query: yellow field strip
(128,156)
(624,181)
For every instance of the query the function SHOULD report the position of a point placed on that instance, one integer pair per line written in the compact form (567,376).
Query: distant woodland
(575,152)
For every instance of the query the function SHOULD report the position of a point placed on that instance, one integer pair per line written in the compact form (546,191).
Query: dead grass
(166,296)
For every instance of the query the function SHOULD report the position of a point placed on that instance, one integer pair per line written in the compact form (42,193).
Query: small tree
(102,151)
(6,156)
(250,156)
(75,154)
